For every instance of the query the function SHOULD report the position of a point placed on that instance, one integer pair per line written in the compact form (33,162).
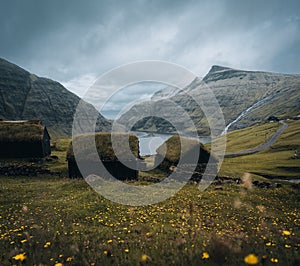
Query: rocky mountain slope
(24,96)
(235,90)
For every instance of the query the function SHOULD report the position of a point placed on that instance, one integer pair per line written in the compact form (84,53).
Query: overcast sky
(74,42)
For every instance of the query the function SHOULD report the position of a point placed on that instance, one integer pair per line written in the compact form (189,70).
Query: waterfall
(245,112)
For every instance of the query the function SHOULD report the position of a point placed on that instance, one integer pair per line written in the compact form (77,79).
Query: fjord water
(149,142)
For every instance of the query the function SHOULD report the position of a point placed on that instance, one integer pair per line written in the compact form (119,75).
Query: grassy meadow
(274,162)
(53,220)
(250,137)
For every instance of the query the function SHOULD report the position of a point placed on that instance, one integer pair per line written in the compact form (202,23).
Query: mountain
(264,93)
(165,93)
(25,96)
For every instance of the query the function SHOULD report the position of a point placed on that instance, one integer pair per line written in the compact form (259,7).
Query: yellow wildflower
(126,250)
(205,255)
(58,264)
(69,259)
(268,244)
(287,246)
(20,257)
(274,260)
(251,259)
(47,244)
(24,241)
(109,241)
(286,233)
(144,258)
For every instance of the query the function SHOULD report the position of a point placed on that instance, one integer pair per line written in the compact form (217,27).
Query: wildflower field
(57,221)
(53,220)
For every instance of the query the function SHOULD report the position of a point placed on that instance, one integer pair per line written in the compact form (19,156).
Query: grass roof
(21,131)
(104,146)
(174,148)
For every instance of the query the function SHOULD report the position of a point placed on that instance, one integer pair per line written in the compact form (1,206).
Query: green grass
(275,162)
(103,142)
(250,137)
(177,146)
(31,131)
(59,150)
(83,228)
(53,219)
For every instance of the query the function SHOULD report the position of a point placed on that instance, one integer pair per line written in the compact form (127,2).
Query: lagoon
(149,142)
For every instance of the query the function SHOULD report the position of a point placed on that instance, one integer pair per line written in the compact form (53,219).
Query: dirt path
(267,144)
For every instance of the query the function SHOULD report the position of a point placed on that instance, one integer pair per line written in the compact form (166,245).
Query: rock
(24,96)
(235,90)
(273,118)
(261,184)
(218,188)
(255,183)
(24,169)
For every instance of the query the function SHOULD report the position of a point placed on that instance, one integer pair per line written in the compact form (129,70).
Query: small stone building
(176,147)
(24,139)
(107,156)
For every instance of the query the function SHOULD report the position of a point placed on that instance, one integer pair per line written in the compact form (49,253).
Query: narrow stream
(245,112)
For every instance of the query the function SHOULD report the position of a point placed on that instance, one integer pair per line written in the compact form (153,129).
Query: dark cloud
(76,41)
(121,101)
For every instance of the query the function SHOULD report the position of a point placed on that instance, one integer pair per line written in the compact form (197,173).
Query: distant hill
(24,96)
(235,90)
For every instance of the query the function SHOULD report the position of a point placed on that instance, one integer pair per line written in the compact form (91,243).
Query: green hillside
(277,161)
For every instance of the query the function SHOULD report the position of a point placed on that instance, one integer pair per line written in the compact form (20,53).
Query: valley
(249,211)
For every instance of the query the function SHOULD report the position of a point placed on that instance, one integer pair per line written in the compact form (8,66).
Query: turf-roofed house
(24,139)
(111,158)
(190,154)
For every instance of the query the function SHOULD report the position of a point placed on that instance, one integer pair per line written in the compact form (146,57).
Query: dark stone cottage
(176,148)
(107,156)
(24,139)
